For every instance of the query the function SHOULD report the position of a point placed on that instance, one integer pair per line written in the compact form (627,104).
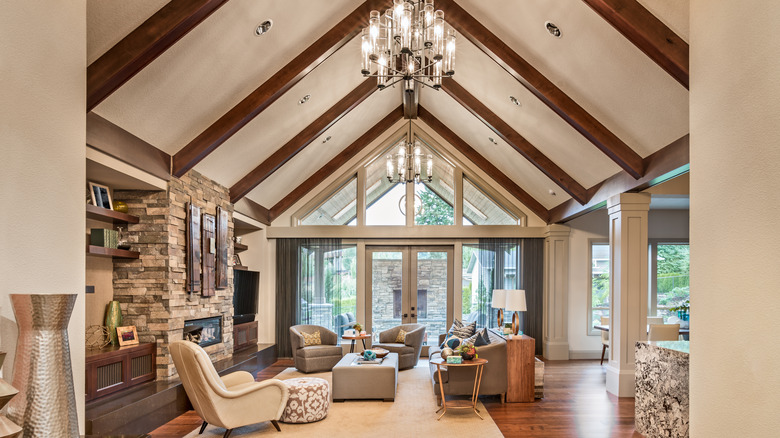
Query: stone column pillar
(628,287)
(556,293)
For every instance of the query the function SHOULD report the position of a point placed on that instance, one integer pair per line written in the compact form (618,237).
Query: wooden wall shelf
(104,214)
(239,247)
(112,252)
(241,268)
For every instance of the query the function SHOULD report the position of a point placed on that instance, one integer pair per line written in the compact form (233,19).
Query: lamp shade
(515,300)
(499,298)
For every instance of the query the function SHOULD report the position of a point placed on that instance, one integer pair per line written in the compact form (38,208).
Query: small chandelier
(409,42)
(407,167)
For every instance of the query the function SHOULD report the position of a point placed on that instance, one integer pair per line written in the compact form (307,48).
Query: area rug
(412,414)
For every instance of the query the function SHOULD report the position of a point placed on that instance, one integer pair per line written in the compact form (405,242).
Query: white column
(556,293)
(628,287)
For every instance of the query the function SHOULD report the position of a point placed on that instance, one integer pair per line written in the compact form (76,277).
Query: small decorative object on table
(122,239)
(113,320)
(380,352)
(97,337)
(127,335)
(358,327)
(446,352)
(467,351)
(369,355)
(454,359)
(682,310)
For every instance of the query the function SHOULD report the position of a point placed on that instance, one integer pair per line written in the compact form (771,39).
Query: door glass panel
(386,289)
(431,289)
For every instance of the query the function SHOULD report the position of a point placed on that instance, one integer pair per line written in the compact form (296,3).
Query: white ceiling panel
(317,154)
(533,119)
(503,156)
(111,20)
(595,65)
(266,133)
(215,66)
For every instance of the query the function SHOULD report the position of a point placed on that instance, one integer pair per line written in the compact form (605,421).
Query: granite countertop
(681,346)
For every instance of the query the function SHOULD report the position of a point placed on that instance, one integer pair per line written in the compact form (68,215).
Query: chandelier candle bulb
(365,50)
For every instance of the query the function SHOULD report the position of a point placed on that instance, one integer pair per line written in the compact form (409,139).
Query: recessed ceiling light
(304,99)
(327,139)
(492,140)
(553,29)
(551,192)
(263,27)
(514,100)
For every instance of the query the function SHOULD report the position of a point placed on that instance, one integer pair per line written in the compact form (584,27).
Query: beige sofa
(460,380)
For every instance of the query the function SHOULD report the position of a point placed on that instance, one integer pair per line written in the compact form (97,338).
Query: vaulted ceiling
(599,107)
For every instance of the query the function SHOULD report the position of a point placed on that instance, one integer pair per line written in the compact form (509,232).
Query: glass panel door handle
(406,315)
(413,315)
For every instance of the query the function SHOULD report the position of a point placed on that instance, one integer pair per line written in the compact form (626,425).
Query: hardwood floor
(575,404)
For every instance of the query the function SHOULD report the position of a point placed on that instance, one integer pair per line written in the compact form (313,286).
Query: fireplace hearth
(203,331)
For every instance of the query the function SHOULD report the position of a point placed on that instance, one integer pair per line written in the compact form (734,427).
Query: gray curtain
(308,286)
(512,264)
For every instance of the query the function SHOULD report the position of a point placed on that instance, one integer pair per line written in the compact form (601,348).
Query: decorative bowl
(380,352)
(467,356)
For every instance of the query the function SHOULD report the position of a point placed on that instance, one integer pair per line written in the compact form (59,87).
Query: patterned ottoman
(309,400)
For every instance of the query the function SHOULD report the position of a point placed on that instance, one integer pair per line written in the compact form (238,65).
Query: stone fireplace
(152,290)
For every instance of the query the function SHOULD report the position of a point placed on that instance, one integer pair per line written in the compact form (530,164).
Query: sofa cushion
(479,338)
(466,331)
(320,351)
(452,341)
(311,338)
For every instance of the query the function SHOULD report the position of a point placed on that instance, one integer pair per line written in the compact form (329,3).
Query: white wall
(735,205)
(662,224)
(42,185)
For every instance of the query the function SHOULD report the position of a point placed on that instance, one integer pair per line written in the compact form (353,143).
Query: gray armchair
(314,357)
(409,351)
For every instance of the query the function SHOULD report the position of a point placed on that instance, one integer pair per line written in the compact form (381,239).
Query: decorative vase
(120,206)
(46,403)
(113,320)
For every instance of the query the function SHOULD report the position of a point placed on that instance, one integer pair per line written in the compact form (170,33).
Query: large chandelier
(409,42)
(406,165)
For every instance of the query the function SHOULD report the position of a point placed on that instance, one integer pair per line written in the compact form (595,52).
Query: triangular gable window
(479,208)
(340,208)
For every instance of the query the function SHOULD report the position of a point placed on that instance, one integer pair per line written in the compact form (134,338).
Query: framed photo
(127,335)
(101,196)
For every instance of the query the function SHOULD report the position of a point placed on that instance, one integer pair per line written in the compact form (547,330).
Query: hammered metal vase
(46,403)
(113,320)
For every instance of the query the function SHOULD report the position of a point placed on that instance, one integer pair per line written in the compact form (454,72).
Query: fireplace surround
(203,331)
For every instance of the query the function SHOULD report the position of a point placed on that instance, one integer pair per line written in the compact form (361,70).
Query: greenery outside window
(670,277)
(598,272)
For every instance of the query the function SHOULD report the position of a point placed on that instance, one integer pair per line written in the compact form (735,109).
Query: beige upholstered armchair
(314,357)
(231,401)
(409,351)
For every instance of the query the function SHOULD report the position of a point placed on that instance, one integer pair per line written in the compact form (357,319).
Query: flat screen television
(246,286)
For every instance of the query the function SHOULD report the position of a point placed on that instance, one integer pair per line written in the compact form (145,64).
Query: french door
(410,284)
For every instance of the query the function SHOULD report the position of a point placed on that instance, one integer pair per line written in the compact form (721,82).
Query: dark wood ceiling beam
(252,209)
(144,45)
(648,33)
(542,88)
(514,139)
(334,164)
(483,163)
(272,89)
(302,139)
(665,164)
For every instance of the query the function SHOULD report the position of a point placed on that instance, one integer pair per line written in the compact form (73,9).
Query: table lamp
(499,301)
(515,302)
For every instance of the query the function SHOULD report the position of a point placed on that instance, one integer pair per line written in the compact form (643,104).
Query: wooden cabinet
(520,369)
(112,369)
(244,335)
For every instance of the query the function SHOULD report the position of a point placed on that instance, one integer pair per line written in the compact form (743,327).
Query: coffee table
(460,404)
(365,381)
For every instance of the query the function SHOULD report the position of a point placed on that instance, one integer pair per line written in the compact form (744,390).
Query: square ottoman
(359,382)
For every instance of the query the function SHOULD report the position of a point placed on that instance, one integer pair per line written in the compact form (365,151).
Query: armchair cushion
(319,351)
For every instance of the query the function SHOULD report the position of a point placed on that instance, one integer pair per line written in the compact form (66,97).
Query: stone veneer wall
(152,290)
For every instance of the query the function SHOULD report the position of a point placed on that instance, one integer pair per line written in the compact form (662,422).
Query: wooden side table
(355,338)
(520,369)
(460,404)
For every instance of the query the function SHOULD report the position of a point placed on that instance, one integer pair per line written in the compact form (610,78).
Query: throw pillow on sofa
(463,331)
(451,341)
(311,338)
(479,339)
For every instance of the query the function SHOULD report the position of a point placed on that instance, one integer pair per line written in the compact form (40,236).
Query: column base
(555,350)
(622,383)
